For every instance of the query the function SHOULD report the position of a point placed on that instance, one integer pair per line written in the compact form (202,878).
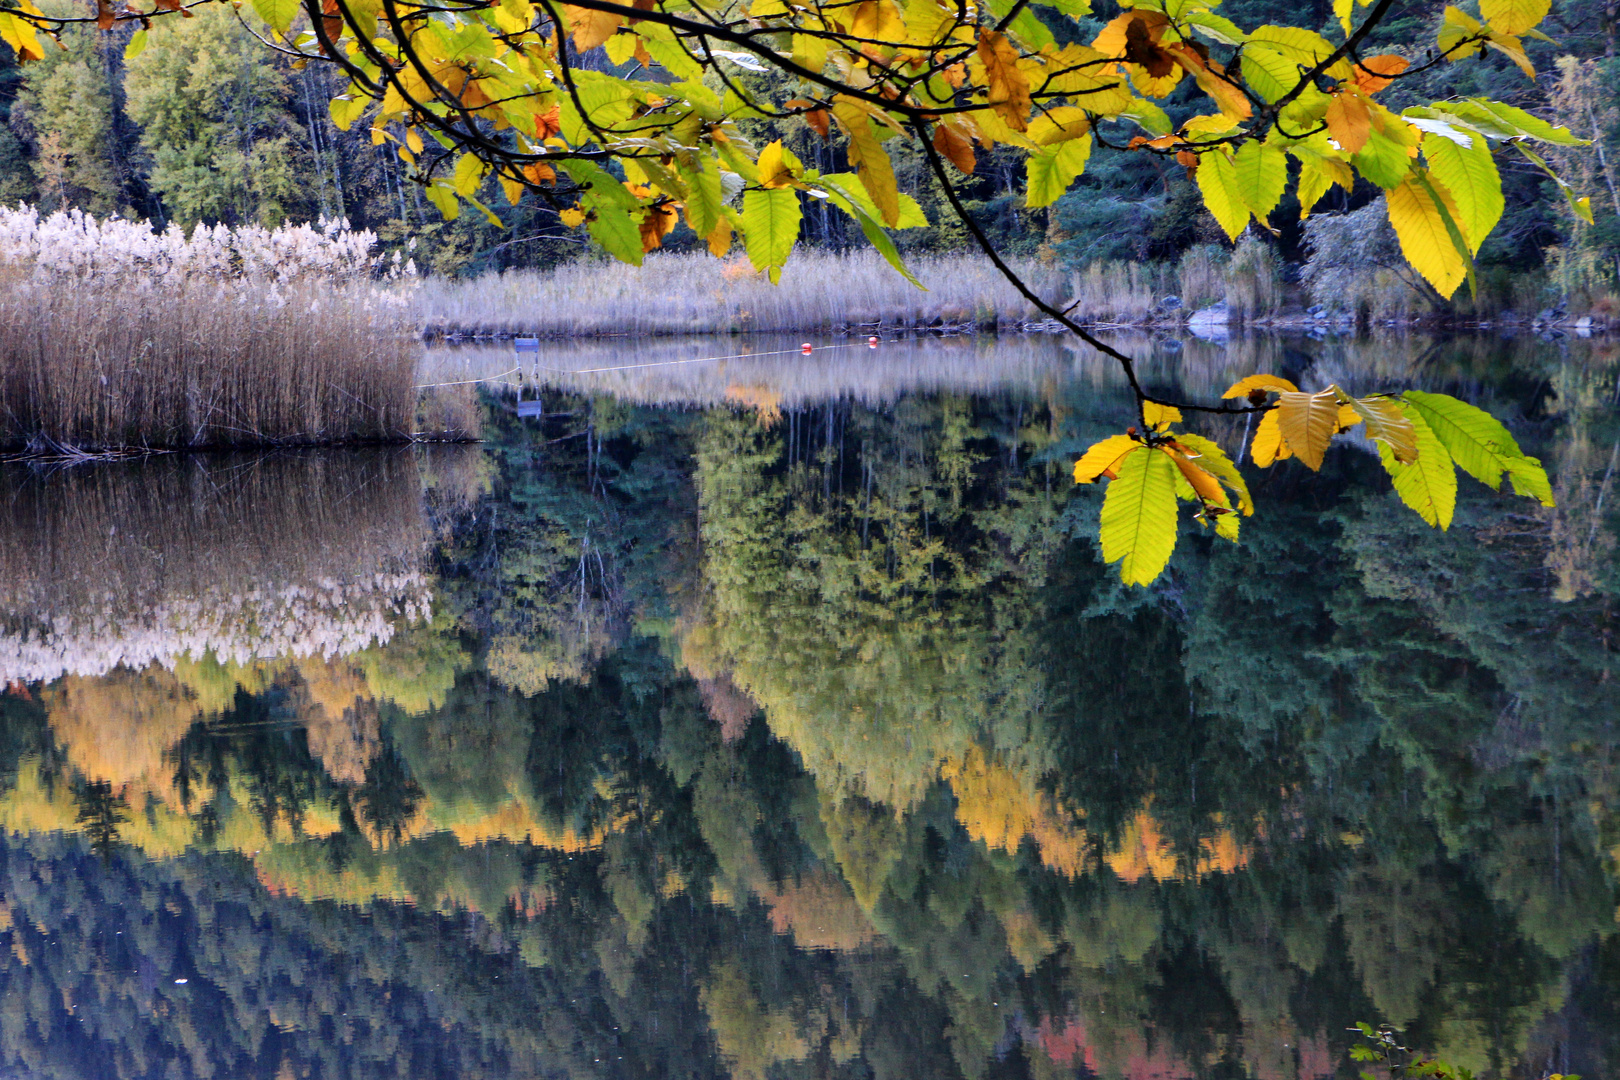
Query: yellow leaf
(573,217)
(1102,457)
(1158,416)
(1226,525)
(1261,173)
(512,188)
(1348,417)
(1388,423)
(773,169)
(868,157)
(720,238)
(1058,124)
(1007,84)
(1308,422)
(1425,241)
(1268,444)
(591,27)
(1139,516)
(1243,386)
(1514,16)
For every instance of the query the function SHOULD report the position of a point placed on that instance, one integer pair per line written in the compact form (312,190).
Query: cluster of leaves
(464,88)
(1422,439)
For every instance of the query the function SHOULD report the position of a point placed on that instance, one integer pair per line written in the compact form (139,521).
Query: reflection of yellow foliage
(514,821)
(751,1037)
(116,728)
(1145,852)
(766,402)
(1142,852)
(997,807)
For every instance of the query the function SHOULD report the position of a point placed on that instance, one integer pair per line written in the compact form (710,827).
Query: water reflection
(807,737)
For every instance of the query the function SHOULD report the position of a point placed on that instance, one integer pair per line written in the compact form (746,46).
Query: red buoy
(805,348)
(871,342)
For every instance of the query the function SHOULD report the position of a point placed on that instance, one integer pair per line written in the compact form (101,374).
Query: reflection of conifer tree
(100,810)
(388,798)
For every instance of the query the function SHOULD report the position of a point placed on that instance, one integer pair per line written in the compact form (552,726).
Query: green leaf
(617,230)
(278,13)
(1261,172)
(136,46)
(1217,182)
(704,195)
(468,175)
(1429,483)
(1052,169)
(770,227)
(1480,445)
(911,212)
(1579,205)
(1139,516)
(1509,121)
(1383,161)
(1268,72)
(871,227)
(1471,177)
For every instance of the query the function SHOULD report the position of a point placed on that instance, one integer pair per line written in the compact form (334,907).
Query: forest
(204,123)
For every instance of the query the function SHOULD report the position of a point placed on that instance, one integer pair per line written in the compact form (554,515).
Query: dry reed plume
(148,561)
(695,294)
(112,335)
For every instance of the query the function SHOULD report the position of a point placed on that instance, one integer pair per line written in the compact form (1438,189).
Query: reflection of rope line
(635,367)
(694,360)
(465,382)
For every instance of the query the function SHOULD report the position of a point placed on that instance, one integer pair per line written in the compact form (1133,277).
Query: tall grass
(113,335)
(1107,291)
(686,294)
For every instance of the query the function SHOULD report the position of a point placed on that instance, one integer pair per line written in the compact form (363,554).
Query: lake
(730,712)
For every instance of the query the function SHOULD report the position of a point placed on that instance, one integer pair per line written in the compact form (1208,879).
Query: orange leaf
(951,143)
(655,225)
(1208,488)
(1349,121)
(1008,86)
(1377,72)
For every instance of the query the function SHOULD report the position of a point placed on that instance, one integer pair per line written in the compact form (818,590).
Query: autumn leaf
(1377,72)
(1388,424)
(1244,386)
(1101,458)
(1268,444)
(866,154)
(1308,423)
(1159,417)
(1212,459)
(1007,85)
(591,27)
(1203,484)
(955,147)
(1349,122)
(1480,445)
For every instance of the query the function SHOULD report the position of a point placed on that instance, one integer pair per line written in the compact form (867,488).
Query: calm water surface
(767,718)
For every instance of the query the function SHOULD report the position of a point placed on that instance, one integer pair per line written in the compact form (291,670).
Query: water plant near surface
(113,334)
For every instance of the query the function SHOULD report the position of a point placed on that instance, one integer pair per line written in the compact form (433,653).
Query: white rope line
(693,360)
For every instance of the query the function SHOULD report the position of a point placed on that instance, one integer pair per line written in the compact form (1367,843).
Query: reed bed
(113,335)
(233,556)
(697,294)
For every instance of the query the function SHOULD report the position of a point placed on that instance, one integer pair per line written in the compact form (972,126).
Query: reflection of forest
(819,744)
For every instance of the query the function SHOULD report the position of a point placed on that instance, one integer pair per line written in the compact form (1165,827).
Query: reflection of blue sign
(531,408)
(526,344)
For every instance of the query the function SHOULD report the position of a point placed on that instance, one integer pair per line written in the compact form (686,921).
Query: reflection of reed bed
(697,294)
(241,556)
